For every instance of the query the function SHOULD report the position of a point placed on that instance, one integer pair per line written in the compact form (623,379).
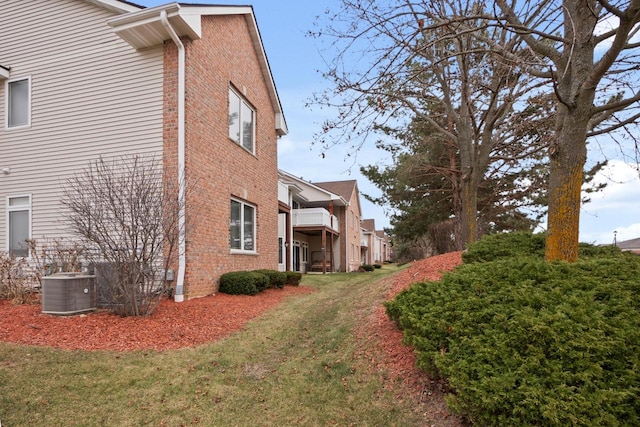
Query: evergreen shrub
(505,245)
(277,279)
(293,278)
(243,283)
(526,342)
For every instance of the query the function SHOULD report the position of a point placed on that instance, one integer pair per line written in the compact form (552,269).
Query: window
(305,252)
(18,103)
(243,227)
(241,118)
(18,225)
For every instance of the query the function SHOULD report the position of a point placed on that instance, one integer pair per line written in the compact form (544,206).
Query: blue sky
(294,61)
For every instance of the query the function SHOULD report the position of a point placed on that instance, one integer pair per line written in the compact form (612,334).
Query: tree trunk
(568,153)
(567,159)
(469,214)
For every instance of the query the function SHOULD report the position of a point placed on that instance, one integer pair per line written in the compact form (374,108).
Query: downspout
(182,259)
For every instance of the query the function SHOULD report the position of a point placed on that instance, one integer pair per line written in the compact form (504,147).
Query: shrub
(526,342)
(243,283)
(377,266)
(505,245)
(16,279)
(517,244)
(293,278)
(277,279)
(367,267)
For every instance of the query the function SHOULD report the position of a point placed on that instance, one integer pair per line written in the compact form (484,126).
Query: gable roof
(344,188)
(143,28)
(369,225)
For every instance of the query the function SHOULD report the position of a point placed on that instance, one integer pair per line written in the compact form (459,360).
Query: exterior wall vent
(68,293)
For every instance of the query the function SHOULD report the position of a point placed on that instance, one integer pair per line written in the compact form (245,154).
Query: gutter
(182,259)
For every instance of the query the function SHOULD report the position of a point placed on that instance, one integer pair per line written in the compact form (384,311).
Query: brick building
(187,83)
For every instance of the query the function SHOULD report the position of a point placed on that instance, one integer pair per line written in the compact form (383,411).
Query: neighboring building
(186,83)
(349,218)
(368,241)
(386,253)
(375,244)
(632,246)
(319,225)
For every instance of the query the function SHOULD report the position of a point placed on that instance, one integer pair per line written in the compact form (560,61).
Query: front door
(296,255)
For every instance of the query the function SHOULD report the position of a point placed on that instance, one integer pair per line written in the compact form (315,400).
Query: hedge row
(525,342)
(252,282)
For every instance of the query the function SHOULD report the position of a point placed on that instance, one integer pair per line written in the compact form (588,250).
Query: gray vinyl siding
(91,94)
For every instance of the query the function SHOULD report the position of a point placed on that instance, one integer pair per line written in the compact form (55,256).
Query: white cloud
(616,208)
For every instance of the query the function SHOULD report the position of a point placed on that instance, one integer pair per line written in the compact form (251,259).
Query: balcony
(314,217)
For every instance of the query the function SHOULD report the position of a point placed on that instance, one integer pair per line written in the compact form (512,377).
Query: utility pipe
(182,260)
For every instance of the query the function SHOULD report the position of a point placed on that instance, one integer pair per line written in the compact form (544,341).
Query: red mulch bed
(176,325)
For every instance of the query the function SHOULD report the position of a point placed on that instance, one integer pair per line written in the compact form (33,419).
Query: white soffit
(144,28)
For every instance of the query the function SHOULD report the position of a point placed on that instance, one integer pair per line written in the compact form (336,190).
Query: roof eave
(5,72)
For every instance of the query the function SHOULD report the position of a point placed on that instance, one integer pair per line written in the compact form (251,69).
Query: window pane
(248,228)
(247,127)
(19,103)
(280,251)
(235,225)
(19,201)
(234,117)
(18,233)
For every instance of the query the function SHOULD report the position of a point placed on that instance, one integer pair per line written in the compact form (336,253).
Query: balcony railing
(314,217)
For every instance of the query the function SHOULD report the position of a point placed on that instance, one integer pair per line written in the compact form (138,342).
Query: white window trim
(244,101)
(304,256)
(6,103)
(10,208)
(255,227)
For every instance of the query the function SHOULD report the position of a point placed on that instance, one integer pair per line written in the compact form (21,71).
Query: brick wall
(220,168)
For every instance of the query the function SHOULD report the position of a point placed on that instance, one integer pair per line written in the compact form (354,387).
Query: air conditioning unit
(68,293)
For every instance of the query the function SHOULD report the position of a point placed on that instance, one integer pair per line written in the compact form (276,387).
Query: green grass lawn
(296,365)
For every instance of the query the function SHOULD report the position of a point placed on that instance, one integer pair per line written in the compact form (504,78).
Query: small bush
(243,283)
(16,279)
(525,342)
(367,267)
(377,266)
(277,279)
(293,278)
